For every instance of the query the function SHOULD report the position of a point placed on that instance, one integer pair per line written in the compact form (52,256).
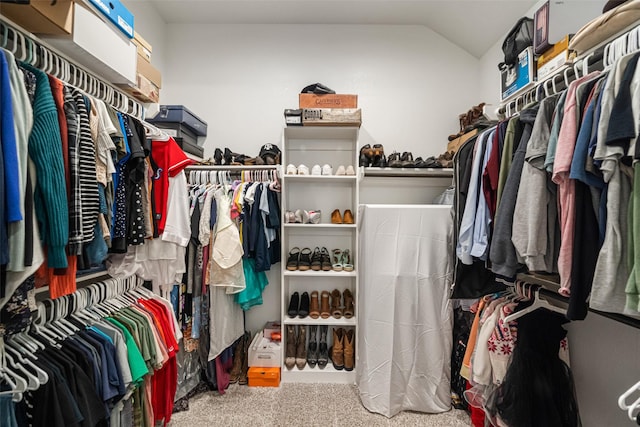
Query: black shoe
(217,157)
(323,350)
(303,311)
(312,353)
(365,156)
(294,305)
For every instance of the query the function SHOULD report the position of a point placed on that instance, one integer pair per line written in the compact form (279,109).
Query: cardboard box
(553,51)
(264,377)
(264,352)
(144,91)
(145,68)
(331,117)
(553,64)
(312,100)
(518,78)
(143,46)
(42,16)
(457,143)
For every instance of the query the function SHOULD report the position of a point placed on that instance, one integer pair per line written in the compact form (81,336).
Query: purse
(519,38)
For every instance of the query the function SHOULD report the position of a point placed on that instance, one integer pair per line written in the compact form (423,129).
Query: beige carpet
(299,405)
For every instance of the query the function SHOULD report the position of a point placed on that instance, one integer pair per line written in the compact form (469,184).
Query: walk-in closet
(286,213)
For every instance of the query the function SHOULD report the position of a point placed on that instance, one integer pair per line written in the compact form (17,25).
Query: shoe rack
(310,146)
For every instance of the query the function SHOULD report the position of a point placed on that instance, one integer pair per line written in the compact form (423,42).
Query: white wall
(411,84)
(240,78)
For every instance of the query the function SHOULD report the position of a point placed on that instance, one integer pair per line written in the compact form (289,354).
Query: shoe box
(264,377)
(180,118)
(332,117)
(264,353)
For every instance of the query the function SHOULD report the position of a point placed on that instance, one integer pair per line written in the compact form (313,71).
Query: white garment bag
(404,314)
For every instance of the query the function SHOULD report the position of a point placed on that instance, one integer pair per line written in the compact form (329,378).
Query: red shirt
(170,160)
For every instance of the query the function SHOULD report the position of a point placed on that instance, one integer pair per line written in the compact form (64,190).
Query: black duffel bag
(519,38)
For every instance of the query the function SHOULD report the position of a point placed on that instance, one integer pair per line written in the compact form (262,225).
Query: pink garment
(566,187)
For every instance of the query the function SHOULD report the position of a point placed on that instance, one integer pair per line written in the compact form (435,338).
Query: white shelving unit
(310,146)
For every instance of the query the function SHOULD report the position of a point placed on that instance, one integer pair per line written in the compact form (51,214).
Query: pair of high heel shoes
(373,156)
(230,158)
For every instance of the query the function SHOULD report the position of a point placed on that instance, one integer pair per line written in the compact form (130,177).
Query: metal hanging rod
(30,49)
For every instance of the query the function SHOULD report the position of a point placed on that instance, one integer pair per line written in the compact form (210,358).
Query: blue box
(519,77)
(180,114)
(115,11)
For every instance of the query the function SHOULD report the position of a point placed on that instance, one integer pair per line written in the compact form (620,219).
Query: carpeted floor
(299,405)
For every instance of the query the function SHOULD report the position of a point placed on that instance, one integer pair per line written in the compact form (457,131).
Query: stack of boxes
(148,78)
(325,110)
(186,128)
(265,357)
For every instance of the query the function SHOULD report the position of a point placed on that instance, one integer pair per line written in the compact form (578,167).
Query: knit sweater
(45,149)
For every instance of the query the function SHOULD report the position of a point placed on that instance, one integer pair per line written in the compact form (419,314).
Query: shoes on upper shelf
(346,218)
(319,260)
(372,156)
(300,170)
(302,217)
(299,259)
(316,170)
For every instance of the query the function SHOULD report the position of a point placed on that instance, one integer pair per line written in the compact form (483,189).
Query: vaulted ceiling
(474,25)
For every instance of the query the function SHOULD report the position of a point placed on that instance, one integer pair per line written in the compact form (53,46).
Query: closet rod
(29,48)
(550,285)
(602,55)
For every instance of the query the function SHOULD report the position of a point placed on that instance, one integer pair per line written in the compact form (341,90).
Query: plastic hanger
(537,303)
(41,375)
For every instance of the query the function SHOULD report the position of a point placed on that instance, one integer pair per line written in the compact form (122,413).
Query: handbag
(519,38)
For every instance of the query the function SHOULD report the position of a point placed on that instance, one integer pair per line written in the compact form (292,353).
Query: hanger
(537,303)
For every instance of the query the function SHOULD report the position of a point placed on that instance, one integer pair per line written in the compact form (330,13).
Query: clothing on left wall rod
(102,356)
(79,180)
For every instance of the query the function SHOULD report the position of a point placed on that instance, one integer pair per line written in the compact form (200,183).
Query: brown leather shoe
(336,218)
(290,355)
(325,312)
(337,349)
(347,217)
(336,311)
(236,369)
(301,347)
(349,350)
(348,304)
(314,306)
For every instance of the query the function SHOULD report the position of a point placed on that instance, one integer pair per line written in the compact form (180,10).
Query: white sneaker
(327,170)
(291,170)
(341,170)
(316,170)
(350,170)
(303,170)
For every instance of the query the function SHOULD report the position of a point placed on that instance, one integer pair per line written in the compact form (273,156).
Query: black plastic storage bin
(180,114)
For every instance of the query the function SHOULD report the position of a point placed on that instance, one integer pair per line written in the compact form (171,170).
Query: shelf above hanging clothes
(409,172)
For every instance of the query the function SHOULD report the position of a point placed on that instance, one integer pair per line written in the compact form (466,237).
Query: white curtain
(404,317)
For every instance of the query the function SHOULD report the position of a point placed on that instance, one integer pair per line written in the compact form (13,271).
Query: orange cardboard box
(41,16)
(312,100)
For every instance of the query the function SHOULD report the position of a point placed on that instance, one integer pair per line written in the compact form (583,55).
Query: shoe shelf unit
(310,146)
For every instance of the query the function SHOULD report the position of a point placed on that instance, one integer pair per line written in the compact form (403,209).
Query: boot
(304,306)
(336,311)
(294,304)
(290,354)
(217,157)
(244,376)
(349,350)
(324,305)
(348,304)
(337,349)
(301,347)
(323,353)
(236,369)
(312,352)
(314,310)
